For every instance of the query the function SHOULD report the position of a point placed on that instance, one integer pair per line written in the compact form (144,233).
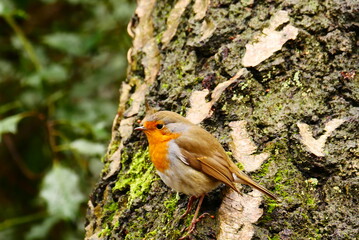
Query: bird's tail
(243,178)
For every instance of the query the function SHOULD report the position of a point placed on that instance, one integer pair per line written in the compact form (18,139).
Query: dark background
(61,65)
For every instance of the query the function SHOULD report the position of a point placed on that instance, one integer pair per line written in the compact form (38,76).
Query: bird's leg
(194,219)
(189,206)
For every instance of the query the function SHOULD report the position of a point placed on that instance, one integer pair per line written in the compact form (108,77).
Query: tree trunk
(276,83)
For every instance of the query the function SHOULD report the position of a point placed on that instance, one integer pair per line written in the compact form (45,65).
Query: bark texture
(293,96)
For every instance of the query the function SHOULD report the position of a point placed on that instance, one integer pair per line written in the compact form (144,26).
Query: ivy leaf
(88,148)
(61,191)
(39,231)
(9,124)
(67,42)
(9,106)
(55,73)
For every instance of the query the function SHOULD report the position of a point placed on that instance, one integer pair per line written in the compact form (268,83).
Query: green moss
(114,146)
(264,169)
(183,110)
(111,207)
(224,107)
(124,156)
(171,204)
(159,38)
(296,79)
(283,174)
(179,73)
(246,84)
(272,204)
(188,219)
(240,166)
(138,178)
(151,234)
(293,82)
(275,237)
(311,202)
(108,213)
(269,75)
(105,167)
(116,225)
(105,232)
(130,101)
(165,86)
(198,79)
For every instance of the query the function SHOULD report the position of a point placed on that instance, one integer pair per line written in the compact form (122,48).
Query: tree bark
(276,83)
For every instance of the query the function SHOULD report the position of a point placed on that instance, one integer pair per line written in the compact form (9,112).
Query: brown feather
(212,160)
(205,157)
(245,179)
(214,170)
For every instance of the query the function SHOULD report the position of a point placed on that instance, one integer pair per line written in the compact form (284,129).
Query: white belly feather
(184,178)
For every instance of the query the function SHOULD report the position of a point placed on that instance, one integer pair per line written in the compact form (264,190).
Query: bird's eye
(159,126)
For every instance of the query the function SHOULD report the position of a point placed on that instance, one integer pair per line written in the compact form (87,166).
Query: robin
(189,159)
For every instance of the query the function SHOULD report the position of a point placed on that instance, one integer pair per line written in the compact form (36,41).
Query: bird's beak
(140,128)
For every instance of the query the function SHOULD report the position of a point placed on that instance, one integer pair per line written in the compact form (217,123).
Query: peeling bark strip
(238,212)
(200,8)
(270,41)
(173,20)
(316,146)
(207,29)
(237,215)
(200,108)
(145,42)
(138,98)
(144,30)
(243,147)
(124,96)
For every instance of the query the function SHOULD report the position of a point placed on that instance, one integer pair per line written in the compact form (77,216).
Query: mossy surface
(138,178)
(312,79)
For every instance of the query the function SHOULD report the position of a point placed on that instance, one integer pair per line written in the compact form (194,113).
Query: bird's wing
(201,151)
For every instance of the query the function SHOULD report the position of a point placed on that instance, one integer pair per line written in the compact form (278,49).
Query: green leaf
(61,191)
(33,80)
(9,124)
(6,68)
(31,98)
(9,106)
(49,1)
(6,7)
(39,231)
(88,148)
(54,73)
(67,42)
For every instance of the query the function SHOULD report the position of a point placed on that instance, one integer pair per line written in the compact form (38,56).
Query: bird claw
(189,206)
(202,216)
(191,228)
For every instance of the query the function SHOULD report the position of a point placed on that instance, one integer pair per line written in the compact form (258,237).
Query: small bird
(189,159)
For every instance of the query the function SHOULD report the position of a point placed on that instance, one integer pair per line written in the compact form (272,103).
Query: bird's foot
(189,206)
(190,229)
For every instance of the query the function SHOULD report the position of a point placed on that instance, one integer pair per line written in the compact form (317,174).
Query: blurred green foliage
(61,64)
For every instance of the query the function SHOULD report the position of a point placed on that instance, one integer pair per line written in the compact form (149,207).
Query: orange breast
(158,142)
(158,153)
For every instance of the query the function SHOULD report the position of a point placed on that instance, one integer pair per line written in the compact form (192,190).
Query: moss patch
(138,178)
